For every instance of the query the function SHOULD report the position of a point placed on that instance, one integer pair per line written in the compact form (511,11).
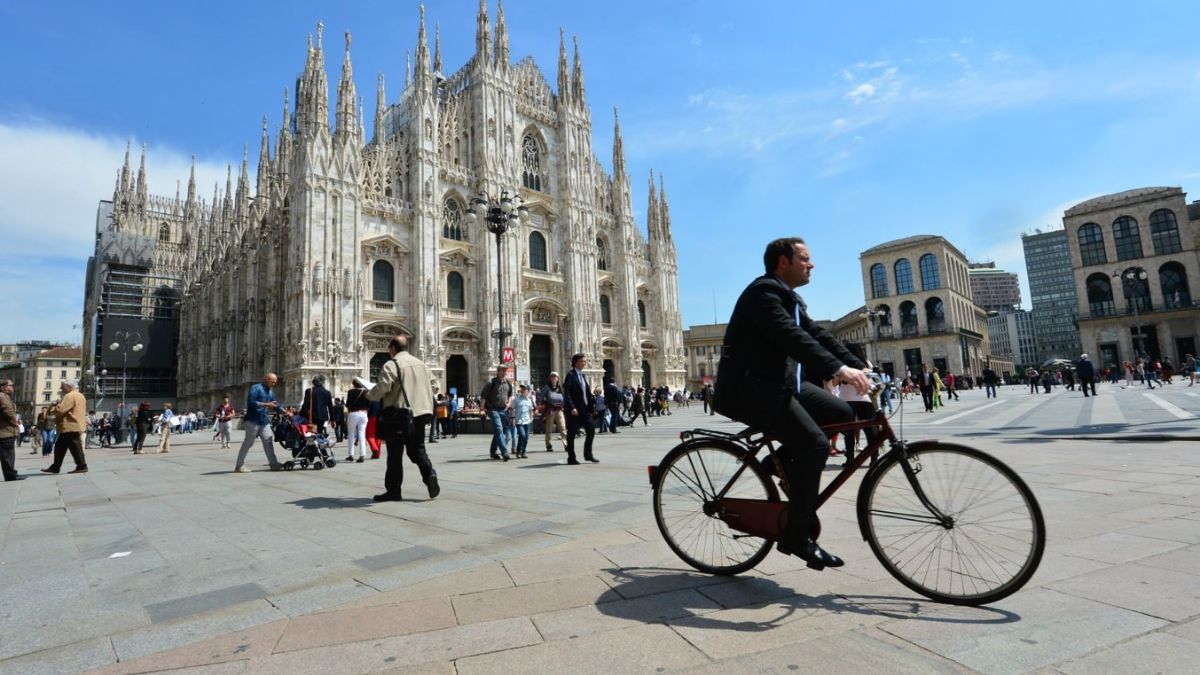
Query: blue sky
(845,123)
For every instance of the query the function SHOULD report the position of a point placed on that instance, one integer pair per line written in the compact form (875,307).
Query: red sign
(507,355)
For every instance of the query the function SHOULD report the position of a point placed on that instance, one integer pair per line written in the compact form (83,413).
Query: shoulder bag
(395,422)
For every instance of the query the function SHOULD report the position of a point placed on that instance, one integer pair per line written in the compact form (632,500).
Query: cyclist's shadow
(633,587)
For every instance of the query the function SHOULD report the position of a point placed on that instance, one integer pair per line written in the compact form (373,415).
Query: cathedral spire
(664,211)
(421,74)
(312,98)
(501,36)
(437,49)
(407,69)
(577,76)
(227,206)
(282,153)
(243,188)
(347,122)
(362,127)
(652,210)
(123,184)
(564,78)
(380,110)
(264,163)
(191,193)
(482,35)
(141,179)
(618,161)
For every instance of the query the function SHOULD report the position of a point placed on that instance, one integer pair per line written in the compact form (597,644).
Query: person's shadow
(633,583)
(333,502)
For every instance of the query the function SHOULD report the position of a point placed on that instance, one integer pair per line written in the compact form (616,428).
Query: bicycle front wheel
(685,490)
(986,547)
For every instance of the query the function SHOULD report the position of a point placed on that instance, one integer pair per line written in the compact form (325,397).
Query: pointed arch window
(1164,232)
(1091,245)
(930,279)
(537,251)
(531,163)
(1100,295)
(879,281)
(1127,238)
(641,306)
(601,254)
(453,225)
(456,297)
(904,282)
(383,281)
(164,232)
(605,311)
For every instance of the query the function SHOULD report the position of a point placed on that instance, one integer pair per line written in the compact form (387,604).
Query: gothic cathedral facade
(347,242)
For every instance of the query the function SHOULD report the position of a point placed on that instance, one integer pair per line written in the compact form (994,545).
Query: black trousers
(927,398)
(574,423)
(8,457)
(414,447)
(72,441)
(1088,382)
(797,426)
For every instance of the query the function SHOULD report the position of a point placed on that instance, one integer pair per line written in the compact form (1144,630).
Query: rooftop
(61,353)
(1121,199)
(899,243)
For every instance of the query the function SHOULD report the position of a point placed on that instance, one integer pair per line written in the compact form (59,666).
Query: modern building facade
(1013,339)
(702,350)
(1052,294)
(992,289)
(921,308)
(342,243)
(1135,261)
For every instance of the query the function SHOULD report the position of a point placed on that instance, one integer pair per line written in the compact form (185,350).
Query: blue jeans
(991,390)
(48,438)
(522,437)
(499,436)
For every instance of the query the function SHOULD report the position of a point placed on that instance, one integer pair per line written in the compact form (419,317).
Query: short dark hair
(782,246)
(575,358)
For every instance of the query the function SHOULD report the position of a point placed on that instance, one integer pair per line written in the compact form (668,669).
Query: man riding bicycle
(773,363)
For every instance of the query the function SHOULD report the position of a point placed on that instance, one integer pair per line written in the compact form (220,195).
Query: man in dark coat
(1087,374)
(773,362)
(318,403)
(579,406)
(989,381)
(925,382)
(612,400)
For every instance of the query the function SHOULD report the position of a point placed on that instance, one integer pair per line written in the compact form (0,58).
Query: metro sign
(507,355)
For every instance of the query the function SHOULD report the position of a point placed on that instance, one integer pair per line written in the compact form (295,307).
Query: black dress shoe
(813,555)
(7,480)
(593,460)
(388,497)
(434,488)
(572,461)
(49,470)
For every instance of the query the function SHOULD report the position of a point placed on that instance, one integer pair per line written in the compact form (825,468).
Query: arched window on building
(1127,238)
(1091,245)
(935,315)
(605,311)
(456,297)
(164,232)
(930,279)
(531,163)
(537,251)
(1135,290)
(879,281)
(601,254)
(1099,296)
(1172,278)
(908,318)
(1164,232)
(641,314)
(904,282)
(453,225)
(383,281)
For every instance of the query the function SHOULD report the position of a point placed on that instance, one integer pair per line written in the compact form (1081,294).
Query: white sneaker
(242,469)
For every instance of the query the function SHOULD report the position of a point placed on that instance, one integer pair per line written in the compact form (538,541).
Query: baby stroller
(308,446)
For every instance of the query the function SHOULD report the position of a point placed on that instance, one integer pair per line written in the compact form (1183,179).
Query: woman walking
(356,437)
(142,423)
(165,422)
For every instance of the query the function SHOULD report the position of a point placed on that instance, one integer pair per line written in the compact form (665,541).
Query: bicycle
(950,522)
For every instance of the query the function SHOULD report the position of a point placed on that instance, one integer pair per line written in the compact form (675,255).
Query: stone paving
(173,562)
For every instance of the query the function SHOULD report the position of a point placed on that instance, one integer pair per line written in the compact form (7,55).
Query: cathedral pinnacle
(264,162)
(501,36)
(380,110)
(482,35)
(577,90)
(347,123)
(421,75)
(652,211)
(618,147)
(437,50)
(564,79)
(123,183)
(141,179)
(664,211)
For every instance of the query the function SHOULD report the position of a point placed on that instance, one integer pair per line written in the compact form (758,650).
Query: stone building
(36,380)
(1134,259)
(341,243)
(922,312)
(702,351)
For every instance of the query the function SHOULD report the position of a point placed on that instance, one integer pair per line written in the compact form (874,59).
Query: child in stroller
(308,446)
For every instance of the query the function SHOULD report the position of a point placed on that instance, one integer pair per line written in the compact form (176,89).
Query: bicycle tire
(684,483)
(955,555)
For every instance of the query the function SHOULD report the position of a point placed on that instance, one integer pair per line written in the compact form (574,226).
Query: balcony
(937,327)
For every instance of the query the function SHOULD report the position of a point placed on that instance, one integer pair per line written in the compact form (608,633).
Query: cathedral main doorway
(610,370)
(377,362)
(458,375)
(646,374)
(541,351)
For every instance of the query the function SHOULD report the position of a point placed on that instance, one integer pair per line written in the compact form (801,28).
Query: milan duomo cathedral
(343,243)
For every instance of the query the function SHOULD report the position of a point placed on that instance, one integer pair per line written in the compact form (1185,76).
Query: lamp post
(126,341)
(872,315)
(1133,275)
(97,371)
(498,214)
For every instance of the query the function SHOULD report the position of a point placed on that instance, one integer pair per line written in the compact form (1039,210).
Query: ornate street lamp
(872,315)
(93,375)
(1130,279)
(498,214)
(127,341)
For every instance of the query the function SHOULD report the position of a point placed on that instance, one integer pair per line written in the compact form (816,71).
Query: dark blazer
(577,396)
(763,346)
(1085,368)
(925,380)
(613,397)
(317,404)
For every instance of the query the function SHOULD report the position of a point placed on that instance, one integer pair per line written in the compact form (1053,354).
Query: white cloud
(51,181)
(862,92)
(697,40)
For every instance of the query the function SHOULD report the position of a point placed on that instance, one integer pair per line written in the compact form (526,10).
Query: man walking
(224,422)
(926,383)
(497,395)
(9,431)
(405,383)
(259,401)
(612,401)
(580,405)
(71,419)
(551,399)
(989,382)
(1087,374)
(1031,374)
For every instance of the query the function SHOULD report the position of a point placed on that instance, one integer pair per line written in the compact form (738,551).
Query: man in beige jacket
(70,414)
(9,430)
(405,382)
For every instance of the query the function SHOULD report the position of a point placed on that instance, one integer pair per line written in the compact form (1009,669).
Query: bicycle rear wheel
(685,489)
(989,546)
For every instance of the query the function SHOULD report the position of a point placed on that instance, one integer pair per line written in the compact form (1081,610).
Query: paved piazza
(171,561)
